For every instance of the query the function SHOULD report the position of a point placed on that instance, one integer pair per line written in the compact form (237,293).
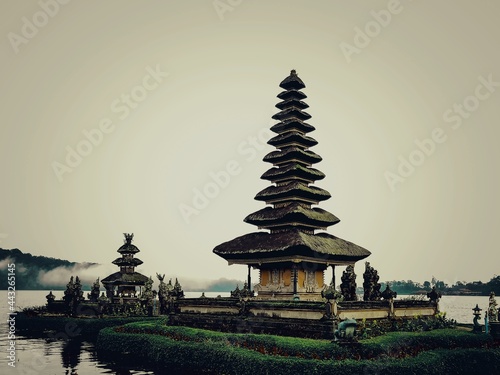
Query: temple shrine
(291,250)
(290,253)
(126,283)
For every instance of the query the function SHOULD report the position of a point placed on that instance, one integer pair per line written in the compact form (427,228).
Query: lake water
(41,356)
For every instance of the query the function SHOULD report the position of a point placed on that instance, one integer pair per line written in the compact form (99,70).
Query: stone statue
(103,302)
(94,292)
(147,296)
(77,294)
(178,292)
(388,293)
(77,291)
(434,295)
(376,295)
(109,291)
(246,292)
(492,308)
(68,293)
(242,293)
(371,285)
(236,293)
(163,294)
(129,237)
(348,285)
(170,287)
(73,295)
(345,330)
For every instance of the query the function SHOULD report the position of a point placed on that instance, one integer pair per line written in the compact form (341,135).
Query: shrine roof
(119,278)
(321,247)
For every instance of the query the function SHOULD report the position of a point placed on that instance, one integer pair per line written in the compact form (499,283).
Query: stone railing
(307,309)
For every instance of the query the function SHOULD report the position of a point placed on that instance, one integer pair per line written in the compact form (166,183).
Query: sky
(152,117)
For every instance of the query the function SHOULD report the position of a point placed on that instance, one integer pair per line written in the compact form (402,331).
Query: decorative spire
(127,262)
(292,172)
(128,238)
(289,216)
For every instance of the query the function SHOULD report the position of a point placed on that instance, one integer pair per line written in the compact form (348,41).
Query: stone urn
(330,293)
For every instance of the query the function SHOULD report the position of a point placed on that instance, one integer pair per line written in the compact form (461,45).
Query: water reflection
(125,365)
(70,354)
(39,354)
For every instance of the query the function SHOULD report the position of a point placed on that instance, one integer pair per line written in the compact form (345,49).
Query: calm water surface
(44,356)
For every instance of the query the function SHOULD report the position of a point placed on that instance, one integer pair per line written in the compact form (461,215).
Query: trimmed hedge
(192,351)
(394,344)
(403,344)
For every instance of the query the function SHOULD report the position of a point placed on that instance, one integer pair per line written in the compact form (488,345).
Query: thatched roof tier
(292,125)
(294,214)
(289,139)
(292,172)
(292,82)
(292,94)
(295,190)
(292,153)
(123,262)
(291,113)
(119,278)
(292,102)
(262,247)
(290,218)
(128,248)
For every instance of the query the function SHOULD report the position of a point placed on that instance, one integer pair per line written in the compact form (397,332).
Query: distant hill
(44,273)
(30,269)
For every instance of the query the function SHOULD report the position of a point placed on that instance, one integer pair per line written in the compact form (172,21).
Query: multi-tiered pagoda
(125,284)
(290,255)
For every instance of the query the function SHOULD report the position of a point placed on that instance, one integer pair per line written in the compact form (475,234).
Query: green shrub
(372,328)
(186,350)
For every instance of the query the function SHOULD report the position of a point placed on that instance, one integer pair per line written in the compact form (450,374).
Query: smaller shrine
(126,284)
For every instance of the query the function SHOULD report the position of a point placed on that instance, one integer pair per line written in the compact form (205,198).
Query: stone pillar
(249,278)
(333,275)
(294,278)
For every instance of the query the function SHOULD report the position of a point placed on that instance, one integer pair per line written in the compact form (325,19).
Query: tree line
(458,288)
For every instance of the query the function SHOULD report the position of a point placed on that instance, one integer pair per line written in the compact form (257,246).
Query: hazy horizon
(118,115)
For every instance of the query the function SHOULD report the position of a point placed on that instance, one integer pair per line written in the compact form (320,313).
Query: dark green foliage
(404,344)
(193,351)
(373,328)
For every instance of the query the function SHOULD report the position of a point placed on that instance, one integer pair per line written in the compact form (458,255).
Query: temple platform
(311,319)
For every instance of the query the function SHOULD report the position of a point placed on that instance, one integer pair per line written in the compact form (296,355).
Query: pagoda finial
(128,238)
(293,72)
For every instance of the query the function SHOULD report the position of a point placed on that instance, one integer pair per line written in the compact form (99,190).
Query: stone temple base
(307,328)
(312,319)
(288,296)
